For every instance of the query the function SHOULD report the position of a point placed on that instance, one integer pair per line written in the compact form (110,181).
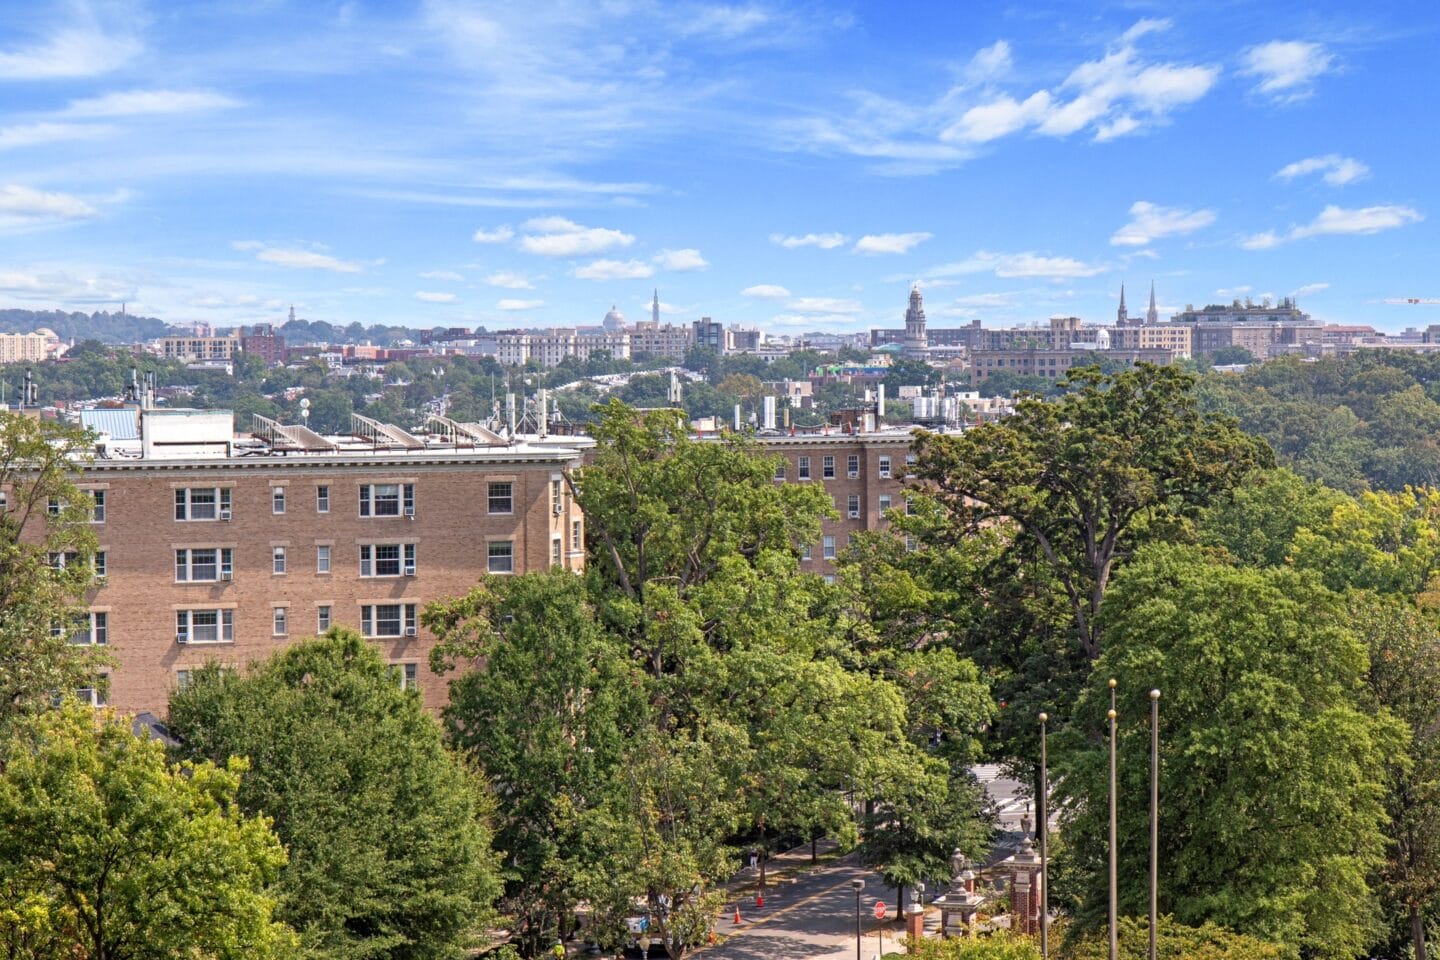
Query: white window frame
(577,536)
(185,504)
(186,627)
(557,551)
(852,506)
(780,470)
(491,557)
(404,620)
(91,630)
(827,467)
(404,560)
(186,564)
(280,621)
(408,675)
(499,503)
(323,618)
(802,468)
(322,498)
(885,503)
(852,465)
(277,500)
(278,562)
(884,468)
(828,548)
(371,501)
(97,508)
(322,558)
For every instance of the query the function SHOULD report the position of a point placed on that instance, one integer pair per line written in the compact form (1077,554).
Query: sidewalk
(781,869)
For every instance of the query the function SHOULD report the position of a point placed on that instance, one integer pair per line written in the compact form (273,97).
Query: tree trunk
(1417,931)
(813,840)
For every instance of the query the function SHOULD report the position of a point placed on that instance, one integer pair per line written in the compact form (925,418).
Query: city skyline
(790,167)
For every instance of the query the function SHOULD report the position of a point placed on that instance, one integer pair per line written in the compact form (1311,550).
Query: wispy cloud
(614,270)
(499,235)
(1332,167)
(76,51)
(297,258)
(1150,222)
(35,134)
(1016,265)
(1287,69)
(65,285)
(1308,289)
(767,291)
(1339,221)
(131,103)
(25,207)
(508,304)
(890,242)
(450,275)
(432,296)
(559,237)
(823,305)
(509,281)
(679,261)
(825,241)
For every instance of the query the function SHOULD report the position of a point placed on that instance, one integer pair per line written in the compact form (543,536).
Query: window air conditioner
(409,631)
(410,512)
(558,509)
(853,474)
(854,514)
(409,571)
(224,514)
(181,638)
(226,575)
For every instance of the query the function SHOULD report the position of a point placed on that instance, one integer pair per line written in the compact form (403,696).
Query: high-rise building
(655,307)
(917,347)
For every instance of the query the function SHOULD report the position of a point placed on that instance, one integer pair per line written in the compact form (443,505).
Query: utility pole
(1114,865)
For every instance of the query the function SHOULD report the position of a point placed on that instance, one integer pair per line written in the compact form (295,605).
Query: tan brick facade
(450,531)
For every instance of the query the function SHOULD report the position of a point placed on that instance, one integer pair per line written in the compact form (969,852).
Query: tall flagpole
(1154,814)
(1114,866)
(1044,845)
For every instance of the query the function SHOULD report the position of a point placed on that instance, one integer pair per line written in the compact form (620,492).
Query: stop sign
(879,909)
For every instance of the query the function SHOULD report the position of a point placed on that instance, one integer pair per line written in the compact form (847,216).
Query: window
(322,499)
(407,675)
(91,630)
(182,679)
(885,468)
(556,552)
(827,468)
(95,695)
(204,564)
(202,503)
(281,622)
(97,510)
(910,457)
(827,548)
(502,498)
(277,561)
(910,545)
(387,559)
(884,502)
(557,496)
(388,620)
(852,465)
(204,626)
(98,564)
(806,551)
(52,506)
(322,559)
(387,500)
(577,542)
(322,618)
(909,507)
(277,499)
(852,506)
(804,468)
(501,556)
(780,471)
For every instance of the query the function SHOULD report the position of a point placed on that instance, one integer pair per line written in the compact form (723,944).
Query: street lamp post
(1044,804)
(1114,866)
(857,886)
(1154,814)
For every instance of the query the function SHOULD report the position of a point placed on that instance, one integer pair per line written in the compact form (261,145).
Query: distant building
(550,348)
(1286,311)
(263,341)
(708,333)
(742,340)
(43,344)
(655,339)
(917,346)
(193,348)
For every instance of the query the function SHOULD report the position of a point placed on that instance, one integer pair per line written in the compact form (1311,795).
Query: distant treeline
(103,326)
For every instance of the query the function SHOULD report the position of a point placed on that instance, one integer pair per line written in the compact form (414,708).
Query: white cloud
(450,275)
(679,260)
(33,134)
(508,304)
(559,237)
(76,52)
(614,270)
(1230,293)
(431,296)
(1150,221)
(510,281)
(989,63)
(1287,68)
(825,241)
(769,291)
(23,206)
(498,235)
(1339,221)
(1116,95)
(812,321)
(1333,168)
(134,102)
(984,300)
(890,242)
(1308,289)
(831,305)
(65,285)
(1012,265)
(298,259)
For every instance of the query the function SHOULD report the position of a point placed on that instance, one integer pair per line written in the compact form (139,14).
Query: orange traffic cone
(760,901)
(736,918)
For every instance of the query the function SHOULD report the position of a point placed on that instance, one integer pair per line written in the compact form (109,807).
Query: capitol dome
(614,320)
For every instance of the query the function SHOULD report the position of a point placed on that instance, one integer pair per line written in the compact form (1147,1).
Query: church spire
(1122,316)
(1152,315)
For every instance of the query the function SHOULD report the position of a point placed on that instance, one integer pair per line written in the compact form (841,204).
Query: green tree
(1000,946)
(1259,521)
(47,549)
(1084,478)
(389,848)
(108,852)
(1175,941)
(1272,779)
(1230,355)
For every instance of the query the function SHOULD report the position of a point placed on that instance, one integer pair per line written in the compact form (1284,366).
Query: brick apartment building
(225,548)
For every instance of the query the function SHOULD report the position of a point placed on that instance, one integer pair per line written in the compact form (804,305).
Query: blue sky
(789,165)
